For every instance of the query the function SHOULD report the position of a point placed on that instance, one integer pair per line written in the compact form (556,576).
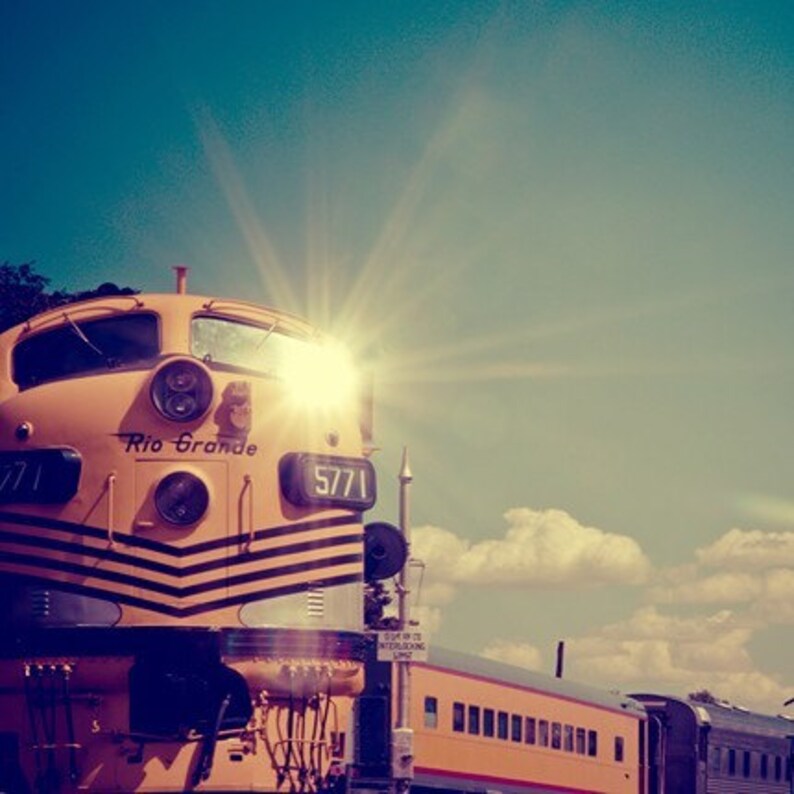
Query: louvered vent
(315,602)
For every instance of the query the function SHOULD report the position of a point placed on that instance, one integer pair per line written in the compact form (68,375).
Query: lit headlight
(182,390)
(321,376)
(181,498)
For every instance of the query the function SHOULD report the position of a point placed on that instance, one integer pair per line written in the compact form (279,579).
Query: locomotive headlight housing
(181,498)
(321,376)
(182,390)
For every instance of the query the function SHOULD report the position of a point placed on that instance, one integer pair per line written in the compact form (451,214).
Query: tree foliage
(702,696)
(23,294)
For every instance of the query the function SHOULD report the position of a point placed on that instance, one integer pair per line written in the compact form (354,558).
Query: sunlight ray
(271,272)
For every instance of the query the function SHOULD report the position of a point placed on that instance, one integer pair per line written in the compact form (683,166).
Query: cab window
(240,345)
(85,347)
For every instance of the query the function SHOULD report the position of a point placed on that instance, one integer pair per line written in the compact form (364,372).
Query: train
(190,596)
(183,481)
(482,726)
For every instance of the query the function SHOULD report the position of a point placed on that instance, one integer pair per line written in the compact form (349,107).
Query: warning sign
(402,646)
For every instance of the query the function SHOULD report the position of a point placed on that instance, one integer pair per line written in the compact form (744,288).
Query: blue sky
(560,232)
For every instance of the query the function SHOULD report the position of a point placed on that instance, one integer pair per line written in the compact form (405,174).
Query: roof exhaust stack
(181,279)
(560,658)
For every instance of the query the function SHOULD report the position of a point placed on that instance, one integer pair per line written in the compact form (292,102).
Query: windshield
(236,344)
(79,348)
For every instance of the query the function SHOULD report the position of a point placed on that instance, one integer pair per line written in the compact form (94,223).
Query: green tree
(23,294)
(702,696)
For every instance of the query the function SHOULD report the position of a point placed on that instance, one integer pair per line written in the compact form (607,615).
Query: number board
(326,480)
(39,476)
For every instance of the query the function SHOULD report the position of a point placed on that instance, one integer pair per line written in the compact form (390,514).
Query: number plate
(40,476)
(308,479)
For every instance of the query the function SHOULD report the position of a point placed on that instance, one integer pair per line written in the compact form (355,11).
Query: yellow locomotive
(182,483)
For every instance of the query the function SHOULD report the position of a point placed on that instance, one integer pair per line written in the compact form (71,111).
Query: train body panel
(715,748)
(481,725)
(182,484)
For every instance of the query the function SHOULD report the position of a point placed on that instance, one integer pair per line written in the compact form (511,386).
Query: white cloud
(428,619)
(520,654)
(651,651)
(768,595)
(744,550)
(721,588)
(745,579)
(539,549)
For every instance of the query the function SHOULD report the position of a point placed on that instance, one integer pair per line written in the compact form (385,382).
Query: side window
(543,733)
(778,767)
(731,762)
(592,743)
(487,722)
(501,725)
(474,720)
(529,730)
(619,749)
(567,738)
(458,717)
(764,766)
(715,760)
(580,741)
(746,763)
(431,712)
(515,727)
(556,736)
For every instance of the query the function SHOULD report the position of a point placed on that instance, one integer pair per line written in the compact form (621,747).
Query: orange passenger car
(485,726)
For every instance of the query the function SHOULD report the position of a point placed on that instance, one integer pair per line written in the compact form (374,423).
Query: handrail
(111,488)
(247,485)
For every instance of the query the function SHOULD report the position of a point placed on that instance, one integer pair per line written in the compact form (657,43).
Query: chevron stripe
(194,609)
(111,555)
(117,577)
(167,549)
(267,571)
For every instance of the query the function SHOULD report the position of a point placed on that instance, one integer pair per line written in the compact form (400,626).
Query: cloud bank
(539,549)
(694,631)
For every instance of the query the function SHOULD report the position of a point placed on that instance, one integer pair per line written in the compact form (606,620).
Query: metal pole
(404,616)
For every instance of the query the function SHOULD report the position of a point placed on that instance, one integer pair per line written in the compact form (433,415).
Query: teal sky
(561,234)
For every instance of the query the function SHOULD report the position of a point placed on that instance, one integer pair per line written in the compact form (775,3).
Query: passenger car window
(431,712)
(458,717)
(515,727)
(474,720)
(529,730)
(501,725)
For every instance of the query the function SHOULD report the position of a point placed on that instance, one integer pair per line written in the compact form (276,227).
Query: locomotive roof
(499,672)
(726,716)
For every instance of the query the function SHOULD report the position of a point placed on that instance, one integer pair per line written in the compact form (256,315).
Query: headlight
(181,498)
(321,376)
(182,391)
